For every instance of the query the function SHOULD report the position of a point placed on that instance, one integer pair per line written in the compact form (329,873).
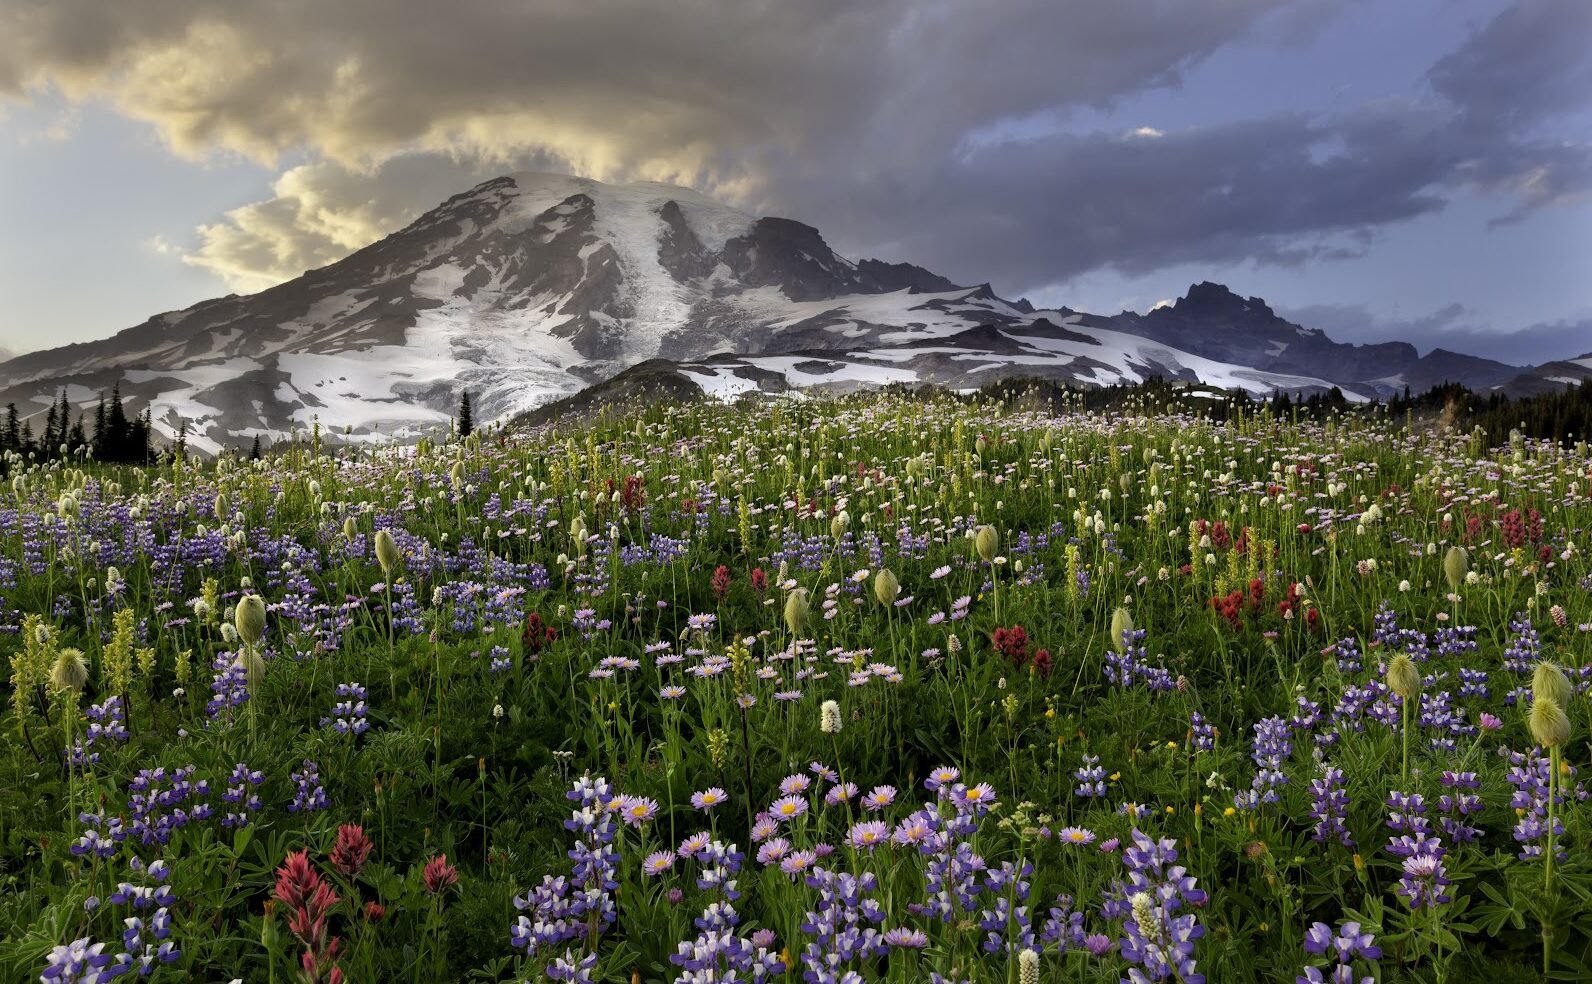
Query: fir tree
(51,425)
(466,418)
(119,445)
(99,429)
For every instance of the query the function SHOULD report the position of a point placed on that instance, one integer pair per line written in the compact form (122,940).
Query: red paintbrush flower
(438,875)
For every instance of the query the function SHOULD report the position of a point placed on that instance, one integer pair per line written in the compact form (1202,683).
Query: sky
(1410,169)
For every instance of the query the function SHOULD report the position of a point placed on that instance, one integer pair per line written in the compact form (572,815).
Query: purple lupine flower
(1127,663)
(1155,938)
(1329,806)
(1162,945)
(155,800)
(1407,814)
(309,795)
(107,722)
(1005,922)
(1347,945)
(1529,775)
(1270,748)
(1063,927)
(1348,655)
(1201,734)
(149,891)
(951,879)
(843,925)
(1438,713)
(1091,778)
(348,714)
(238,792)
(78,962)
(717,954)
(1473,683)
(100,836)
(1458,805)
(1522,656)
(1424,876)
(581,906)
(230,686)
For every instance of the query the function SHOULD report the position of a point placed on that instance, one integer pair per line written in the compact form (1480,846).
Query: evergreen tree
(143,436)
(51,425)
(12,436)
(254,452)
(99,429)
(466,418)
(119,445)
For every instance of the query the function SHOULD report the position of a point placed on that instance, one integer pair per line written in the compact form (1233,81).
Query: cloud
(854,117)
(323,211)
(610,85)
(1520,88)
(1451,327)
(1042,211)
(1528,62)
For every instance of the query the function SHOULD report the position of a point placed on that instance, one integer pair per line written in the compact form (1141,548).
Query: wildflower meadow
(884,688)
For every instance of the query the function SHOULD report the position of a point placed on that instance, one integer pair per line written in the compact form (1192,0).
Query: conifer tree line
(110,435)
(1562,415)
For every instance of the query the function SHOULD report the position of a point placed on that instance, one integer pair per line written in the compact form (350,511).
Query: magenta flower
(439,875)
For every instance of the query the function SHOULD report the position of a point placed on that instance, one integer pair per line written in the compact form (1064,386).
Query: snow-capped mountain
(531,287)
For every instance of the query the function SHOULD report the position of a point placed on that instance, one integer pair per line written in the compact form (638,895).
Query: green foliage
(613,536)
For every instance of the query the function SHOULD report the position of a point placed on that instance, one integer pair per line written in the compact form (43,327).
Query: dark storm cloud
(1450,327)
(622,83)
(1522,91)
(1046,209)
(856,117)
(1527,63)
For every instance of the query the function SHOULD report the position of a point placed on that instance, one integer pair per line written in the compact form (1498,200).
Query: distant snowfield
(1112,357)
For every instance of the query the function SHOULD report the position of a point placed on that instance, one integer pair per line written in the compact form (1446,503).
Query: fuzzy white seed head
(829,721)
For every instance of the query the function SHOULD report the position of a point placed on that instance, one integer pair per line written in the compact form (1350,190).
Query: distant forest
(1564,416)
(110,435)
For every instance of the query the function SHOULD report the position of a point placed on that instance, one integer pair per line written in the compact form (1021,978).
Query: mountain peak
(533,286)
(1207,298)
